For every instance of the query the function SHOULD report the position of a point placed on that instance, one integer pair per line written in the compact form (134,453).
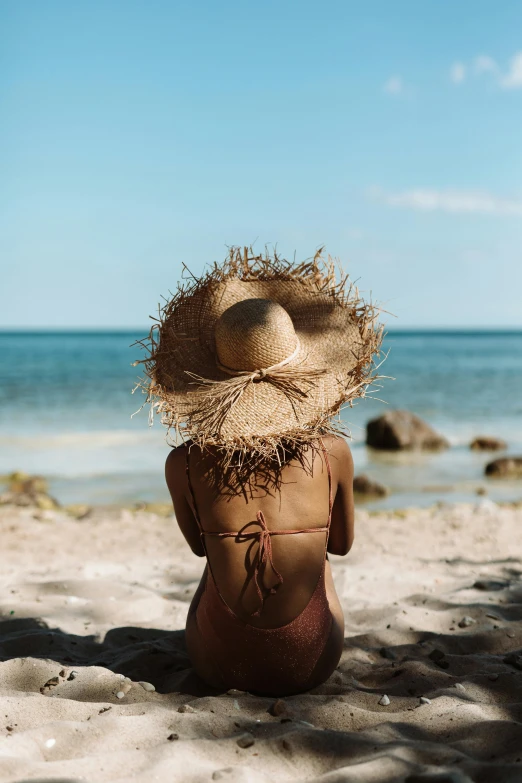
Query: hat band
(258,374)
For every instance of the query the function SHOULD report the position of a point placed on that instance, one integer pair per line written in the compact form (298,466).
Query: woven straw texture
(282,305)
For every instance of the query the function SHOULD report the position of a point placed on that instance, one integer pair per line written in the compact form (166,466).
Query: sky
(137,135)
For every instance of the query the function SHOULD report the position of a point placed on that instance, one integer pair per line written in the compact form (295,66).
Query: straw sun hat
(260,352)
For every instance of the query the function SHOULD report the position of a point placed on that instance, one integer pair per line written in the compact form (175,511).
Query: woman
(252,361)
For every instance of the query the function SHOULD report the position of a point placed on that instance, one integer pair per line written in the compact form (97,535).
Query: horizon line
(406,329)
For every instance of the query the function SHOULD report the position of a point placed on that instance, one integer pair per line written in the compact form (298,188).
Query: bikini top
(263,536)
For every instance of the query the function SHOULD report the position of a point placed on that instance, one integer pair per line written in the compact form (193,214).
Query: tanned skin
(297,498)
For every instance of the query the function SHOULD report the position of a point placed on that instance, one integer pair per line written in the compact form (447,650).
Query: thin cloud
(394,85)
(512,80)
(457,73)
(451,201)
(485,64)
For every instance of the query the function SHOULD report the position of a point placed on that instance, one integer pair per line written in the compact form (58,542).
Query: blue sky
(135,136)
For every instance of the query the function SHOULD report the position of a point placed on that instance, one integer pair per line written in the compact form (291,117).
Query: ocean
(66,406)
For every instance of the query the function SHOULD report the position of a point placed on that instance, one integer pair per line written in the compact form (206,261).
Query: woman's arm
(342,525)
(175,475)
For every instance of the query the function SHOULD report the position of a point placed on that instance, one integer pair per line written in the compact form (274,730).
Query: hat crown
(254,334)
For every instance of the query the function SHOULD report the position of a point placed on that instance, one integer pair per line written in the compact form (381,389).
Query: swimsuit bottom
(268,661)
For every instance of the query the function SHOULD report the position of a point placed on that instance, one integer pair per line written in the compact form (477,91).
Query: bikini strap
(192,496)
(330,500)
(330,489)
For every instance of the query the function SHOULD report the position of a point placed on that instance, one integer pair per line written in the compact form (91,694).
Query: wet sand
(89,608)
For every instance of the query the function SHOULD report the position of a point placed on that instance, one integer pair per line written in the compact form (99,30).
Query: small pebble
(384,701)
(120,695)
(490,584)
(459,686)
(512,659)
(72,676)
(493,677)
(173,737)
(147,686)
(50,743)
(246,741)
(278,708)
(186,708)
(235,692)
(424,700)
(466,622)
(449,776)
(223,774)
(436,655)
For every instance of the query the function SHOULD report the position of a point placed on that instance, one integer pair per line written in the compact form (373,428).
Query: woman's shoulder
(339,455)
(177,457)
(336,445)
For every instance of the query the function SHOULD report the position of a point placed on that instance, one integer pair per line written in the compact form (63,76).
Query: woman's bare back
(300,501)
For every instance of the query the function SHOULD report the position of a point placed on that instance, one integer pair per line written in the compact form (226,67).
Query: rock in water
(505,467)
(487,443)
(363,485)
(397,430)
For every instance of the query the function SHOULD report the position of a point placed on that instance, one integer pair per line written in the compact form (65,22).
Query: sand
(91,607)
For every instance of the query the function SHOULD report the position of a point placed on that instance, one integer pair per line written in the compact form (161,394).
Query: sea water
(66,407)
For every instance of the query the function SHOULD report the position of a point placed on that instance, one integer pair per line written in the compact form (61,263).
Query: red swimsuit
(265,660)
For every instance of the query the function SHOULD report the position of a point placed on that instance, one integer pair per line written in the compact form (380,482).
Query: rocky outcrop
(487,443)
(397,430)
(364,486)
(505,467)
(25,490)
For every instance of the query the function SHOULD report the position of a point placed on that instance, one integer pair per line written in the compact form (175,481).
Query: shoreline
(144,490)
(85,511)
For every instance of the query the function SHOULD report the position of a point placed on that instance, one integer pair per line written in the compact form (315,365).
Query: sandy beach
(90,608)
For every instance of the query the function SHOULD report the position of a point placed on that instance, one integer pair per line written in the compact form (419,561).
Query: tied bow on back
(263,558)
